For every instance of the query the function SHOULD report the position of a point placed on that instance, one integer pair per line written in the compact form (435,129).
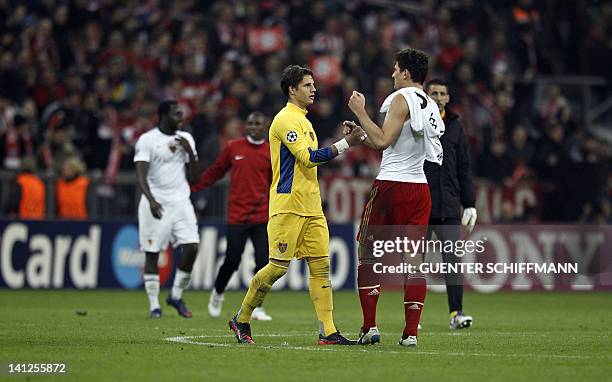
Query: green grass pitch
(515,336)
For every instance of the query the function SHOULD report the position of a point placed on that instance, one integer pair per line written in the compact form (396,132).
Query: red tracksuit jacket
(250,180)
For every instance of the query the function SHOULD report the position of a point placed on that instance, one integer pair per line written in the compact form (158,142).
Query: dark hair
(257,114)
(437,81)
(292,76)
(164,108)
(415,61)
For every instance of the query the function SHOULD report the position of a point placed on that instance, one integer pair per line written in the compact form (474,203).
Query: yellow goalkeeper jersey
(294,156)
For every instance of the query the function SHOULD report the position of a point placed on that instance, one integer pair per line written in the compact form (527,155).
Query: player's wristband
(342,145)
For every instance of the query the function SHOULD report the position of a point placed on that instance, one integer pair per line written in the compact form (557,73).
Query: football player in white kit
(165,161)
(400,195)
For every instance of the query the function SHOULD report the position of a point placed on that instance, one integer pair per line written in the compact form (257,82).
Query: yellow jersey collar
(295,107)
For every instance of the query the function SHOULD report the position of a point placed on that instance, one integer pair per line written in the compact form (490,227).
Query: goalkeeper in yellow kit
(297,227)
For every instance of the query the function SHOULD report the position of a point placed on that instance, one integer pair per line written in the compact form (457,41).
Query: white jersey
(166,176)
(419,138)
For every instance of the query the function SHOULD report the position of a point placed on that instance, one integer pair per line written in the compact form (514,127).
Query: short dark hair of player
(292,76)
(164,108)
(436,81)
(257,114)
(416,61)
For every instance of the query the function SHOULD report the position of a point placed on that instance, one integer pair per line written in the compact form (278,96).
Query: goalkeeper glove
(469,218)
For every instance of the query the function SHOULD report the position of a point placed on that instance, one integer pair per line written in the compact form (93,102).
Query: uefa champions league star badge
(292,136)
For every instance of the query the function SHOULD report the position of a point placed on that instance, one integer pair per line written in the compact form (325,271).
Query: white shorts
(178,225)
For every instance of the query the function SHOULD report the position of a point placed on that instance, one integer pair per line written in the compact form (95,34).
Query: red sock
(369,290)
(415,290)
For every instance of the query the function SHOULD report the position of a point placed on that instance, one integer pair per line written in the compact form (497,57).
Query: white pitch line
(258,335)
(303,334)
(455,333)
(189,340)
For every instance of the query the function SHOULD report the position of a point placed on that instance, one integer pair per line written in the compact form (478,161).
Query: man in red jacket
(251,175)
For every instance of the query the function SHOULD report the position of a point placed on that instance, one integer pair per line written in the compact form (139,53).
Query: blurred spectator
(95,136)
(121,83)
(232,129)
(206,130)
(508,215)
(521,149)
(503,62)
(599,213)
(48,88)
(496,163)
(72,190)
(552,166)
(552,152)
(555,106)
(12,78)
(16,141)
(323,119)
(329,40)
(451,52)
(588,166)
(525,27)
(57,148)
(83,72)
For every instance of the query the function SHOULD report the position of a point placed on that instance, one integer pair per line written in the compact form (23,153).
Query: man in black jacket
(451,186)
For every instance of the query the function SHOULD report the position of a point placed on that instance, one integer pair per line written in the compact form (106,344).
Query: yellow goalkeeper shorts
(291,235)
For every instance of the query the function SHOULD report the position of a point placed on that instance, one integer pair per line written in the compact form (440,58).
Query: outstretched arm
(380,138)
(297,145)
(194,170)
(215,172)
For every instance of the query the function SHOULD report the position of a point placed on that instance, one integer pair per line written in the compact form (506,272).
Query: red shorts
(396,204)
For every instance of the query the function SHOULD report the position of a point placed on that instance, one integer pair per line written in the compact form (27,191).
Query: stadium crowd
(83,78)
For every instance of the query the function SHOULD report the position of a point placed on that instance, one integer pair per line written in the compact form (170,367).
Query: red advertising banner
(493,257)
(345,197)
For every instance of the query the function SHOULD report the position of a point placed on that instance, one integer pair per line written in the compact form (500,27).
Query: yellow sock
(321,293)
(258,289)
(321,296)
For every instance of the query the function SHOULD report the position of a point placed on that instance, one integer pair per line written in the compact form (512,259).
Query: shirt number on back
(432,121)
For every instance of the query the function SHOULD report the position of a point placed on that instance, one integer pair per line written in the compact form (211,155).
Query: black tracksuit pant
(237,235)
(449,229)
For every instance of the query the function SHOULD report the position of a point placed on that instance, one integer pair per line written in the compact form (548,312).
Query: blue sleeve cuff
(321,155)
